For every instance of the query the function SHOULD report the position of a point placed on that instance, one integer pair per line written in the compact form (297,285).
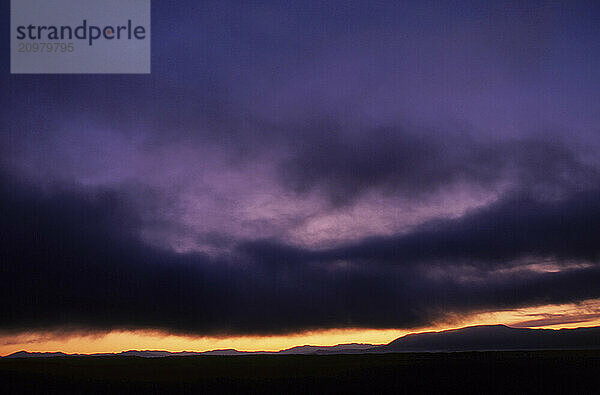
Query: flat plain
(456,372)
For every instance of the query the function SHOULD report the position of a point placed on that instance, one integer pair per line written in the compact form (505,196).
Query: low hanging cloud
(290,130)
(514,227)
(412,163)
(72,259)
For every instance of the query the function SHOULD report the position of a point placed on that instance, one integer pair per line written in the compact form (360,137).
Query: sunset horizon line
(289,347)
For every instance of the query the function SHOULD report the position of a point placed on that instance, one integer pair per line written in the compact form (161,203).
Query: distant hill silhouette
(25,354)
(339,348)
(496,337)
(229,351)
(150,353)
(473,338)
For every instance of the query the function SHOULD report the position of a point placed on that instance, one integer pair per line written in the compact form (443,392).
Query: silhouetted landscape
(474,338)
(458,372)
(491,359)
(286,189)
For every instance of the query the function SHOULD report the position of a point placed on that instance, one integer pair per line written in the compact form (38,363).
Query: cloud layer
(306,166)
(72,260)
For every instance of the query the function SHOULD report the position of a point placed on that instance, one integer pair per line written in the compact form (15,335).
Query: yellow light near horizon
(549,316)
(116,341)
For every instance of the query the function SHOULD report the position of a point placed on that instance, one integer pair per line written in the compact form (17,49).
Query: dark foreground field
(480,372)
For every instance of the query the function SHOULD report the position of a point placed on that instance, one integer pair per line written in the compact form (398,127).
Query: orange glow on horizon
(550,316)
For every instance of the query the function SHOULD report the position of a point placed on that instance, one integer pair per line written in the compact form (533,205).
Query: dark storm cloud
(413,163)
(330,97)
(514,227)
(70,259)
(235,76)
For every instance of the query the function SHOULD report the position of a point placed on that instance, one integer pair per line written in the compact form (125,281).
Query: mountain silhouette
(350,348)
(25,354)
(496,337)
(473,338)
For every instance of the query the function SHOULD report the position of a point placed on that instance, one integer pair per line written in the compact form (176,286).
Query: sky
(292,172)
